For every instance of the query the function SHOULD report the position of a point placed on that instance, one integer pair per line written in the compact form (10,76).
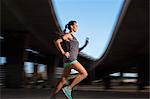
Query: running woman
(70,60)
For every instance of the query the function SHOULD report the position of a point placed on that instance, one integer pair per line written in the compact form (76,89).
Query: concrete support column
(52,63)
(15,43)
(107,82)
(35,68)
(35,73)
(143,76)
(121,79)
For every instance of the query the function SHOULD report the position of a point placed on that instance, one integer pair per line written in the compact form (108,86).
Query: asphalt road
(82,94)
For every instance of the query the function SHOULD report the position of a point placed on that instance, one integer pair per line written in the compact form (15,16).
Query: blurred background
(113,37)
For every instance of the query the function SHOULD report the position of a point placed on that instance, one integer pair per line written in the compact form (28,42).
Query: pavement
(80,92)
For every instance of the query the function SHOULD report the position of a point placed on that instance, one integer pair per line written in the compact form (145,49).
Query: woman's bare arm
(58,44)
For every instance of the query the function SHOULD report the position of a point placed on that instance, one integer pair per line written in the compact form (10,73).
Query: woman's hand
(67,54)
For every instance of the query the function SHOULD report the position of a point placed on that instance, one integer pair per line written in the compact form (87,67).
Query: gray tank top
(74,50)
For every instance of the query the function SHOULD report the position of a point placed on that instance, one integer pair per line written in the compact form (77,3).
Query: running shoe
(67,92)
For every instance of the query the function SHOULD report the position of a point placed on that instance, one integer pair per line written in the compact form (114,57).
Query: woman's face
(74,27)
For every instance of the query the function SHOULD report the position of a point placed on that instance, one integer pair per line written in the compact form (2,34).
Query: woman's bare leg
(82,74)
(63,80)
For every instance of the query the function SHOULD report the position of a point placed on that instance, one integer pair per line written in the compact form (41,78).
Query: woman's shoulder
(67,35)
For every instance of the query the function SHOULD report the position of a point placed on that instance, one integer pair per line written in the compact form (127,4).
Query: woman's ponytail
(65,28)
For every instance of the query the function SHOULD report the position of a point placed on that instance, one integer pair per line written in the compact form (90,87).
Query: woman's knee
(85,74)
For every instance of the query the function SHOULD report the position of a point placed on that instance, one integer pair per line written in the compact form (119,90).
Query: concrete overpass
(32,25)
(128,50)
(27,25)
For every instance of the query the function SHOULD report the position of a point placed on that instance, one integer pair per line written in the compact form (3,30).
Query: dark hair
(68,26)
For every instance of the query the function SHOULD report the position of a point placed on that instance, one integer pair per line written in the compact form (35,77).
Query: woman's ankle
(70,87)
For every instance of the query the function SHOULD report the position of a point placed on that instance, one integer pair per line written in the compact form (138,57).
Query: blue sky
(96,20)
